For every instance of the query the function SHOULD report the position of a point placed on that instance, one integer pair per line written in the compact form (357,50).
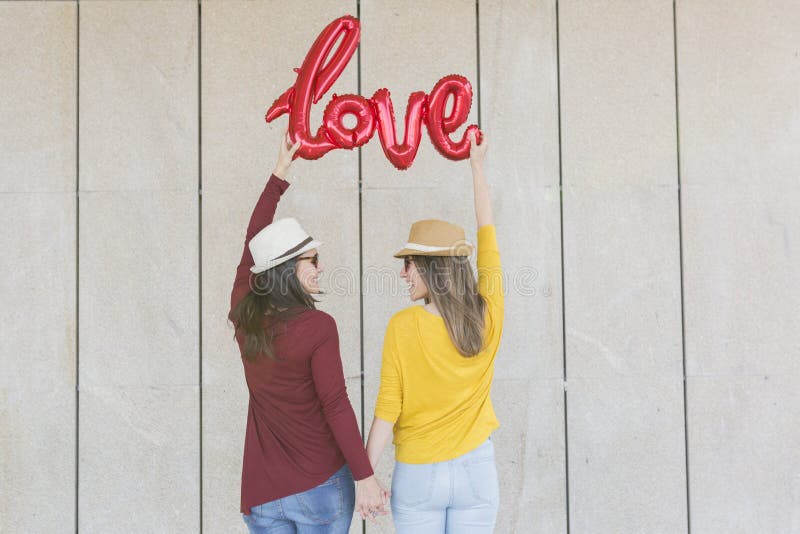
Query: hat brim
(460,251)
(274,263)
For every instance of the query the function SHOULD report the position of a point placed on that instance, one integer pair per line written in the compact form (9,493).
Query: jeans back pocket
(482,476)
(323,504)
(412,484)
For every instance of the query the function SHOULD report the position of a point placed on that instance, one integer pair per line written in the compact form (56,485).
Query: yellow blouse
(437,399)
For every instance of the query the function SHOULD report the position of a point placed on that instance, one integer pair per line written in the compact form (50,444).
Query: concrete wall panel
(138,279)
(740,127)
(617,68)
(139,293)
(37,275)
(743,457)
(139,459)
(739,83)
(621,267)
(37,96)
(621,254)
(626,455)
(138,98)
(37,364)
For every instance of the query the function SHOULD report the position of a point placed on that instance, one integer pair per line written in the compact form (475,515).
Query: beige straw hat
(432,237)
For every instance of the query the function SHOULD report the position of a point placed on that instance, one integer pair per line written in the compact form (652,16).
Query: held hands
(285,156)
(477,153)
(371,498)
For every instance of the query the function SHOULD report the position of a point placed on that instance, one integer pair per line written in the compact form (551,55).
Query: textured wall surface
(138,296)
(621,256)
(38,323)
(645,177)
(740,168)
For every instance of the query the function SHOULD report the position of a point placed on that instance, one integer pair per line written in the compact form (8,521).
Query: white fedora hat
(278,242)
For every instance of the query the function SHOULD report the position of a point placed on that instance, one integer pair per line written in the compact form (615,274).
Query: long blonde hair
(454,291)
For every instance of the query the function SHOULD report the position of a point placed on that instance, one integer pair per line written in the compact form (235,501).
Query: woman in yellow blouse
(437,370)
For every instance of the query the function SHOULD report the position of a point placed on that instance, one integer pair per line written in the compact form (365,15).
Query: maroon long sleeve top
(301,427)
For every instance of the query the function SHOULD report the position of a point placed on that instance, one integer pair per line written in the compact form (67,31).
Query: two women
(302,446)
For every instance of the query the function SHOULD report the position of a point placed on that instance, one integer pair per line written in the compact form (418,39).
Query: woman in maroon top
(302,445)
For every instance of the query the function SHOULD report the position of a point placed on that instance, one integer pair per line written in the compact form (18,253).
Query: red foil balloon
(400,154)
(322,66)
(441,125)
(314,79)
(349,105)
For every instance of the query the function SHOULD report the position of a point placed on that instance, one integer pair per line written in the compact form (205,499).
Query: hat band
(294,249)
(428,248)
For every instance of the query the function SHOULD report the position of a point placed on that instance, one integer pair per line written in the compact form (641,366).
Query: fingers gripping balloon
(440,126)
(318,73)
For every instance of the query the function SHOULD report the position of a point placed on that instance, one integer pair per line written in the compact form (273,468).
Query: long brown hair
(276,296)
(453,289)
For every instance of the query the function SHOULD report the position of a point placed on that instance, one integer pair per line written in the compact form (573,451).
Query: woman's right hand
(477,152)
(285,156)
(371,498)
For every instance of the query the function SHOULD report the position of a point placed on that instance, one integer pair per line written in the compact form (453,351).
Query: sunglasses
(313,259)
(407,263)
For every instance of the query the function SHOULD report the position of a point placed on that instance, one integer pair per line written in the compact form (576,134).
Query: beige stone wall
(645,174)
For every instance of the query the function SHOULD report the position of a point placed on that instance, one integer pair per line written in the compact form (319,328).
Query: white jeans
(459,496)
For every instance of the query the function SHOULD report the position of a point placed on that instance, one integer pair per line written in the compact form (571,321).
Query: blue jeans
(327,508)
(459,496)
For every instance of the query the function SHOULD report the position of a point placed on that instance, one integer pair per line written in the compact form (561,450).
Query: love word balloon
(319,72)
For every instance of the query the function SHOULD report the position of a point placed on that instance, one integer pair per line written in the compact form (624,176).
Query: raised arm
(490,272)
(483,204)
(262,215)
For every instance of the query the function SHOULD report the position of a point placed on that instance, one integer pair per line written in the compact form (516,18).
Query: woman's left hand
(477,152)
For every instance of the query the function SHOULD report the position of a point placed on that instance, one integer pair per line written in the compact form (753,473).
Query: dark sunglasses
(407,262)
(313,259)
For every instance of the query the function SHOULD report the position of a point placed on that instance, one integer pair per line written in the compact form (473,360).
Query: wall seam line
(200,253)
(478,55)
(563,284)
(680,256)
(360,255)
(77,253)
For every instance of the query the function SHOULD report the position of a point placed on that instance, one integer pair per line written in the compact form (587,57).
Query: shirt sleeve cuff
(389,417)
(360,472)
(487,237)
(281,184)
